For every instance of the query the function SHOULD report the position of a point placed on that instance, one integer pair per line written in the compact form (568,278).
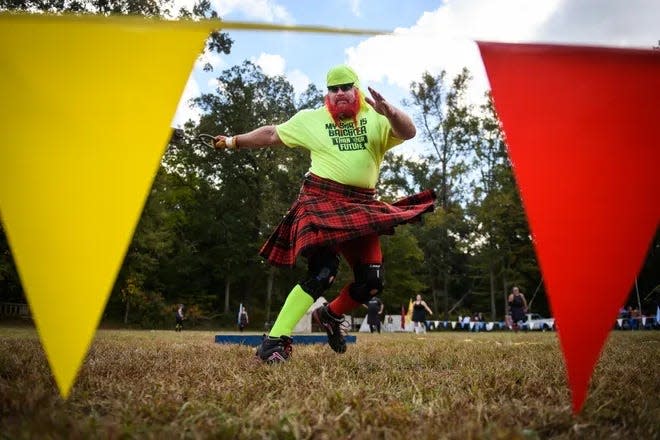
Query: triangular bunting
(86,111)
(581,129)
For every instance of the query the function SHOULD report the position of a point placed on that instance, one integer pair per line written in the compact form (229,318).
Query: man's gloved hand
(221,142)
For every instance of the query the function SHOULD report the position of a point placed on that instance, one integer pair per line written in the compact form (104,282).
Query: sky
(424,36)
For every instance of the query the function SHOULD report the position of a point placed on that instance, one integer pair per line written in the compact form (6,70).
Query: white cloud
(299,80)
(184,112)
(445,38)
(633,23)
(272,65)
(264,10)
(275,65)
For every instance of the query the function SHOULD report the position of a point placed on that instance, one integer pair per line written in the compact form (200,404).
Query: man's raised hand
(378,102)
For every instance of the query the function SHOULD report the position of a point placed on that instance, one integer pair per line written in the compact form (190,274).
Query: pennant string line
(211,24)
(250,26)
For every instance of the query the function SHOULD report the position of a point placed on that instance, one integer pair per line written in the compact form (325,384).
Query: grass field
(166,385)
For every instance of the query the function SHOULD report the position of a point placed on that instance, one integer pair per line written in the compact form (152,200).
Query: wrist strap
(232,142)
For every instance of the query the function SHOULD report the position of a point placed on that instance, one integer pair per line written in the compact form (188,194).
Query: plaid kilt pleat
(327,213)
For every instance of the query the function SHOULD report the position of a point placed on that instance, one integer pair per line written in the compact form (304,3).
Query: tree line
(208,212)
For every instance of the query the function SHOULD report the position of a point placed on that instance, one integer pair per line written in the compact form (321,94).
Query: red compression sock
(343,303)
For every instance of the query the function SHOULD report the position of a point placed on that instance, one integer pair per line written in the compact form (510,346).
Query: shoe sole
(336,348)
(274,358)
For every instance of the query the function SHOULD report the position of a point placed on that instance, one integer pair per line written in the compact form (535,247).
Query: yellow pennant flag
(86,109)
(410,311)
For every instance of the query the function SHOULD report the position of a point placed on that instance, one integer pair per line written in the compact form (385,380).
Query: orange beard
(344,111)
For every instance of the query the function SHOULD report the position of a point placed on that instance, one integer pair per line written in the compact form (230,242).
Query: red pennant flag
(581,126)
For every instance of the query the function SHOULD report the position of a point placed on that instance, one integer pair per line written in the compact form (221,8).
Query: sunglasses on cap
(343,87)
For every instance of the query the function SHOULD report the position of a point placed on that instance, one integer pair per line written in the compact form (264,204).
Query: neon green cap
(341,74)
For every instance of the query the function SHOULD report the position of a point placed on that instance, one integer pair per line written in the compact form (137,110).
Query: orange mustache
(344,110)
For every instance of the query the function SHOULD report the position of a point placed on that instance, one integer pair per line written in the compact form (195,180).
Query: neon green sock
(296,305)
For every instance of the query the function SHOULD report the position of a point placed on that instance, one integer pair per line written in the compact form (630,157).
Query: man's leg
(365,257)
(321,271)
(296,305)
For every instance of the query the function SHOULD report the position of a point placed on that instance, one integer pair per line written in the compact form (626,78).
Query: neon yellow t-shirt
(351,158)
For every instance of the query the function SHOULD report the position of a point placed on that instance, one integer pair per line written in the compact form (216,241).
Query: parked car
(535,321)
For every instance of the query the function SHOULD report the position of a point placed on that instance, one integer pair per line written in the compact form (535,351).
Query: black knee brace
(322,269)
(368,282)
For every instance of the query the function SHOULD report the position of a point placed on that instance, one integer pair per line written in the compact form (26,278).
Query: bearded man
(336,212)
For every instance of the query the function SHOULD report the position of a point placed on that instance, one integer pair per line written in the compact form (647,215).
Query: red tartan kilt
(327,213)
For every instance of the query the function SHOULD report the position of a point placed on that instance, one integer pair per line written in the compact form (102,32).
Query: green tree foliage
(501,250)
(10,286)
(447,123)
(403,265)
(645,292)
(446,120)
(268,179)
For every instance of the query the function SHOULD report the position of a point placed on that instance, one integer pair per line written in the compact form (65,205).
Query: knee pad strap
(322,269)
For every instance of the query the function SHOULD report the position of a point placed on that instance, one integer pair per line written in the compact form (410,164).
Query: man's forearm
(261,137)
(402,125)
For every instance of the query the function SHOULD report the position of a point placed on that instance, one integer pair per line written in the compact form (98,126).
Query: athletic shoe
(274,350)
(332,326)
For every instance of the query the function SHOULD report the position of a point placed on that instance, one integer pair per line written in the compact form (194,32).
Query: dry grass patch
(162,385)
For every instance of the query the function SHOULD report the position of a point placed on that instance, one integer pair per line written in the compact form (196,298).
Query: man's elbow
(272,138)
(411,133)
(406,133)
